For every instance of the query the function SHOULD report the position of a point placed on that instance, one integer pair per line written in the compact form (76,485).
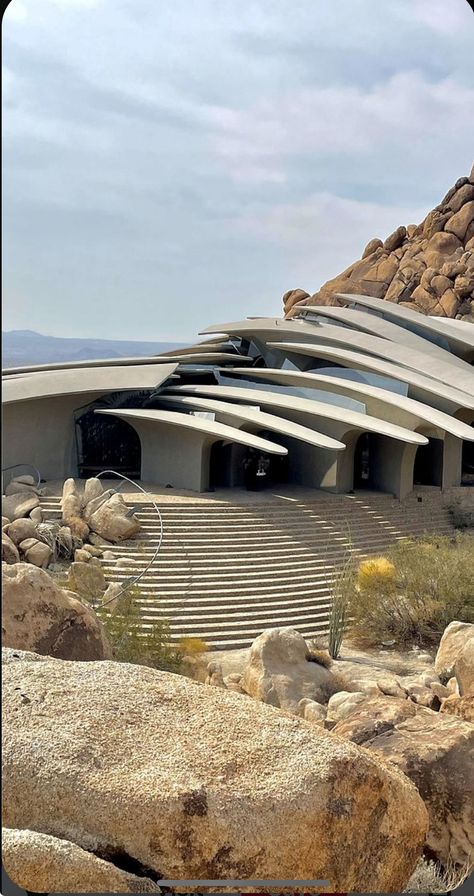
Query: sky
(167,166)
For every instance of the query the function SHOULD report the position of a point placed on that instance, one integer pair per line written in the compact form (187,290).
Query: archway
(106,443)
(428,466)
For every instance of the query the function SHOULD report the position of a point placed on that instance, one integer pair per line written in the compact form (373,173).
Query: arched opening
(428,466)
(467,463)
(106,443)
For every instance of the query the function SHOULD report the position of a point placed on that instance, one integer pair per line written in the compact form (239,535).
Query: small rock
(36,552)
(93,550)
(81,556)
(36,515)
(17,506)
(214,675)
(21,529)
(343,704)
(312,711)
(92,489)
(9,550)
(440,690)
(395,239)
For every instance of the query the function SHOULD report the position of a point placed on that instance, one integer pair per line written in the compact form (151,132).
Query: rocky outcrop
(99,512)
(462,707)
(279,671)
(464,669)
(429,267)
(194,781)
(37,615)
(40,863)
(454,639)
(436,751)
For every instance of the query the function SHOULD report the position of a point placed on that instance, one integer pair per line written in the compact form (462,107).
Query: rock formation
(194,781)
(429,267)
(279,671)
(41,863)
(37,615)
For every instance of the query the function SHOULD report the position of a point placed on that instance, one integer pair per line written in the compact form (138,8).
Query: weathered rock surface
(423,266)
(36,552)
(279,673)
(19,505)
(463,707)
(40,863)
(21,529)
(452,643)
(464,669)
(37,615)
(193,781)
(436,751)
(372,717)
(10,552)
(112,520)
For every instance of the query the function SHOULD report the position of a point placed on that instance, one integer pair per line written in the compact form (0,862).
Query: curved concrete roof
(387,368)
(260,418)
(79,365)
(199,424)
(378,326)
(439,325)
(315,409)
(209,358)
(48,384)
(426,362)
(342,386)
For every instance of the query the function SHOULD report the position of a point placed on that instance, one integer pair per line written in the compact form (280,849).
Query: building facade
(365,396)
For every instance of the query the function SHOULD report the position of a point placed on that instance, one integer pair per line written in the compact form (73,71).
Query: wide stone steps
(225,572)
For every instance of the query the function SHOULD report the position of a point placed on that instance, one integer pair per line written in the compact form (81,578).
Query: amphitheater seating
(227,570)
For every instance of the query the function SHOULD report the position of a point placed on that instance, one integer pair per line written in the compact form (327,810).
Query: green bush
(430,584)
(135,640)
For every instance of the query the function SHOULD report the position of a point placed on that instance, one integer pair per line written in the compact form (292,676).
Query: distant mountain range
(23,347)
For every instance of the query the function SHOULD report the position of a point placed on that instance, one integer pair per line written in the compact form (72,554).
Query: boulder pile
(91,521)
(429,267)
(421,723)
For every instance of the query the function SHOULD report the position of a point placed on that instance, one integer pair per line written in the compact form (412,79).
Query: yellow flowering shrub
(377,573)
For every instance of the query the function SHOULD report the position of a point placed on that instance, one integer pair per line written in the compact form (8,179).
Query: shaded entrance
(106,443)
(428,468)
(364,462)
(467,468)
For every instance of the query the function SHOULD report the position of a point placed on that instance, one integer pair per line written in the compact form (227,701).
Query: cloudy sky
(172,165)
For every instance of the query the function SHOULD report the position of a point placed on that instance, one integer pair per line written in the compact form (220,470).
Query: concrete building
(366,396)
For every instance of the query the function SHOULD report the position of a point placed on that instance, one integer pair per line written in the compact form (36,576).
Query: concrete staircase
(226,571)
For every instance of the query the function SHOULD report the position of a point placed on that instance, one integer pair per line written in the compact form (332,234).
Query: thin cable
(160,540)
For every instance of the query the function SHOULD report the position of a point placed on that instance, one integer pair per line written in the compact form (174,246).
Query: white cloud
(345,120)
(442,16)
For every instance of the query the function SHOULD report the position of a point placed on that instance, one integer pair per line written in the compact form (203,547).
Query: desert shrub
(135,640)
(193,652)
(319,655)
(413,593)
(431,877)
(341,592)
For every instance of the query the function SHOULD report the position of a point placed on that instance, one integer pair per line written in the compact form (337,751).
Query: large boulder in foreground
(40,863)
(37,615)
(455,637)
(279,672)
(195,782)
(436,751)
